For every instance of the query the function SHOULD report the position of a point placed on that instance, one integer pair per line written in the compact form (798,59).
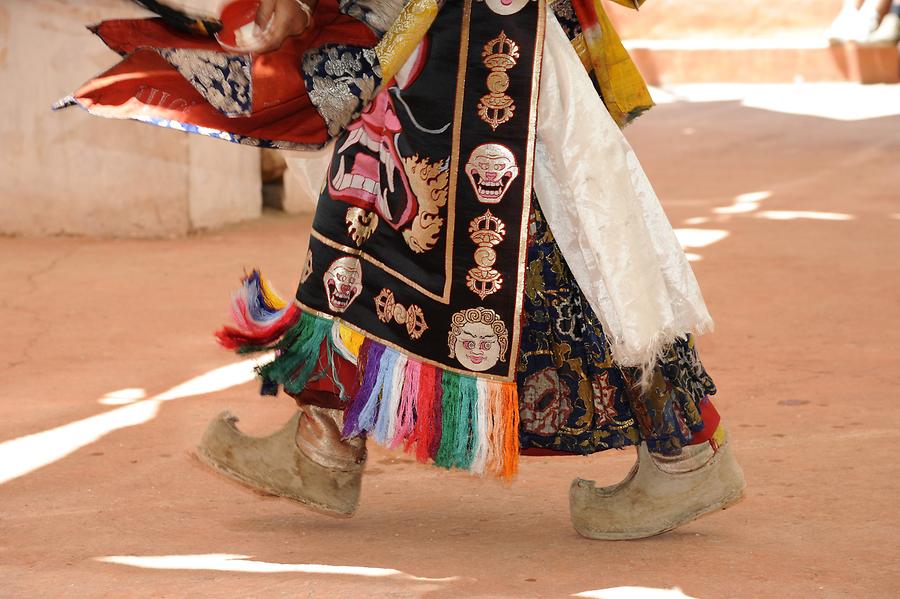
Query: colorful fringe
(260,315)
(457,421)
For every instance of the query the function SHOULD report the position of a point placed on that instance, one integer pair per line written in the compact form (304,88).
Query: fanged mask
(367,171)
(491,168)
(343,282)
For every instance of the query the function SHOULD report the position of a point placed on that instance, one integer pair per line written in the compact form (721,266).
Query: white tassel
(394,392)
(482,443)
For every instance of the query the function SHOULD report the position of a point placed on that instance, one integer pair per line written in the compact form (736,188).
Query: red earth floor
(805,356)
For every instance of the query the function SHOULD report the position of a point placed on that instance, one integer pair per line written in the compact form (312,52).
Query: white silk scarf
(606,218)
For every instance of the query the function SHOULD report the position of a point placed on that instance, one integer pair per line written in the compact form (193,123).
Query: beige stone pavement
(801,274)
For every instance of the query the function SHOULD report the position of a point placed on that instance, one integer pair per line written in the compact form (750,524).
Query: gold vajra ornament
(499,55)
(486,231)
(388,309)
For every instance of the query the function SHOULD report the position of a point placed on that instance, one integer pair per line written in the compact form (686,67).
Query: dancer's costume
(489,272)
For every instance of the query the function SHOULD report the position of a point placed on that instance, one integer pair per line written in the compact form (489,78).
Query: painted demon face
(343,282)
(491,168)
(367,170)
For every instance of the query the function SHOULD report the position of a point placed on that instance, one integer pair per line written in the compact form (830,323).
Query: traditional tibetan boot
(306,461)
(659,494)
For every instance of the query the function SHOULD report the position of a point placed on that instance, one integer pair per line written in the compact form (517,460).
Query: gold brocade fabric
(401,39)
(573,397)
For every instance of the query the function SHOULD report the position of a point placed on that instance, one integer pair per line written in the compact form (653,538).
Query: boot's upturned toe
(651,501)
(276,465)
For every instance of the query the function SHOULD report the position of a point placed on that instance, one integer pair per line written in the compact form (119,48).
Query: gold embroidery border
(529,180)
(461,72)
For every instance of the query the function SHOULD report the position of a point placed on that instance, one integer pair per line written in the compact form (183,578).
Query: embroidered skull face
(343,282)
(477,347)
(478,339)
(491,168)
(506,7)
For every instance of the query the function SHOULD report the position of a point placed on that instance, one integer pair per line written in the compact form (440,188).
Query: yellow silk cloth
(400,41)
(624,91)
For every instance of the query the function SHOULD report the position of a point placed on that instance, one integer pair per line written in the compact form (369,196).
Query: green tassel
(449,419)
(459,403)
(298,353)
(465,441)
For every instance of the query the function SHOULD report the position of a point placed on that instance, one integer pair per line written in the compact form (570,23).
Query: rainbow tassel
(457,421)
(427,430)
(261,316)
(406,415)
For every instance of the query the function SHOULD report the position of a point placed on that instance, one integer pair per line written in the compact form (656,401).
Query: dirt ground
(800,271)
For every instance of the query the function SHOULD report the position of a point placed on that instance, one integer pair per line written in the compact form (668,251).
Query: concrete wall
(68,172)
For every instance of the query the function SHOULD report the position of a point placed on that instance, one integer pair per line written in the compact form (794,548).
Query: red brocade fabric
(145,86)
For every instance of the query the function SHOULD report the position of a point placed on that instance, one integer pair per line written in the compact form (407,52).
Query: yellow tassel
(351,339)
(271,296)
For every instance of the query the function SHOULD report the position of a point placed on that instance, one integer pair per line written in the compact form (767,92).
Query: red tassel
(427,432)
(233,338)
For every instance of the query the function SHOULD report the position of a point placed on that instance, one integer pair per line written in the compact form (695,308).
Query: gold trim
(461,72)
(402,350)
(529,179)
